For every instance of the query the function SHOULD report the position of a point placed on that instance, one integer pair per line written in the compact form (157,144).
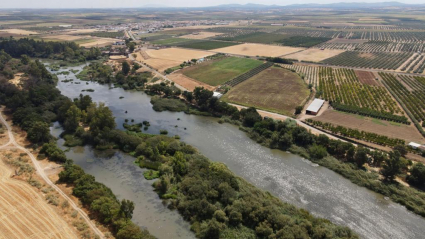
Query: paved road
(13,144)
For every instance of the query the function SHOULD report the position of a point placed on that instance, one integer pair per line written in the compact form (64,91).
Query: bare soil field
(389,129)
(17,79)
(274,89)
(19,32)
(81,31)
(367,77)
(187,82)
(25,214)
(177,54)
(314,54)
(201,35)
(251,49)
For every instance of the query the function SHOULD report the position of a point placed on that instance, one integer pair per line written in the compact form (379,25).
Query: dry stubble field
(251,49)
(25,214)
(187,82)
(275,89)
(389,129)
(201,35)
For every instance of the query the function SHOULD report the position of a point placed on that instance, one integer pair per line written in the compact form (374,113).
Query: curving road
(13,144)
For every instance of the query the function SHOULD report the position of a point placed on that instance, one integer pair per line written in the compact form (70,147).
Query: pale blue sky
(171,3)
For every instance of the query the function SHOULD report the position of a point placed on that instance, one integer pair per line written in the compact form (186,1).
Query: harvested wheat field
(81,31)
(177,54)
(389,129)
(63,37)
(19,32)
(274,89)
(161,64)
(251,49)
(314,54)
(24,214)
(201,35)
(187,82)
(98,42)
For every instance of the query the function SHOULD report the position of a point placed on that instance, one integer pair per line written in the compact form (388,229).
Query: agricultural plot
(96,42)
(201,35)
(25,214)
(274,89)
(380,60)
(171,41)
(207,45)
(249,49)
(410,92)
(20,32)
(310,74)
(343,88)
(314,55)
(187,82)
(415,64)
(245,76)
(407,133)
(253,37)
(177,54)
(219,71)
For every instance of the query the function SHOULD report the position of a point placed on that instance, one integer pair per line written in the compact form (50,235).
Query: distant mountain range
(341,5)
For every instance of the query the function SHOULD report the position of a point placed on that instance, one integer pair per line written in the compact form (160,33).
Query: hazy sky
(172,3)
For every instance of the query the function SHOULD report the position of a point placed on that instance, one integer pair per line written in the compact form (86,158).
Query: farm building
(315,107)
(414,145)
(218,95)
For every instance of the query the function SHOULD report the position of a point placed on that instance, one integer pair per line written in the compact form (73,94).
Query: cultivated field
(161,64)
(201,35)
(219,71)
(63,37)
(19,32)
(314,54)
(98,42)
(187,82)
(274,89)
(176,54)
(249,49)
(24,214)
(389,129)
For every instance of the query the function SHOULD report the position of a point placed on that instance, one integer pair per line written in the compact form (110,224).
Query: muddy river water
(289,177)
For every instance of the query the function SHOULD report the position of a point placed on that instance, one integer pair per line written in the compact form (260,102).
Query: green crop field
(207,45)
(219,71)
(172,41)
(274,89)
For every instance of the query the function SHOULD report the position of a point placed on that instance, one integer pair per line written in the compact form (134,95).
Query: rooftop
(315,105)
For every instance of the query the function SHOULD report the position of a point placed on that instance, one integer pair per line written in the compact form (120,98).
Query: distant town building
(315,107)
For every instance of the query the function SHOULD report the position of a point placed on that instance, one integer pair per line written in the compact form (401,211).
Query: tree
(317,152)
(179,163)
(125,68)
(401,149)
(202,95)
(131,46)
(361,157)
(25,59)
(417,175)
(250,117)
(73,118)
(392,166)
(39,132)
(298,110)
(127,208)
(100,119)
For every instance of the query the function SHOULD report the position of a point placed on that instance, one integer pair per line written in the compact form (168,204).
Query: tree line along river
(289,177)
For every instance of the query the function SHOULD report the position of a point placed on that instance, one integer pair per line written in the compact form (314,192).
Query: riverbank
(229,145)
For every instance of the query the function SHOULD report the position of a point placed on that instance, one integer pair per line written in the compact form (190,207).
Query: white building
(315,107)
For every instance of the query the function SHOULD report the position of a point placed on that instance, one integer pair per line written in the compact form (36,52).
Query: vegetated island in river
(216,202)
(342,157)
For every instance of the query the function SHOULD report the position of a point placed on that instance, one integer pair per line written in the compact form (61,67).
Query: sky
(168,3)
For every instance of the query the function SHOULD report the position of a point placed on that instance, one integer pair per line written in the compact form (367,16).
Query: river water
(289,177)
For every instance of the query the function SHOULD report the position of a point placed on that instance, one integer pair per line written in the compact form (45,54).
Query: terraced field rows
(249,74)
(374,46)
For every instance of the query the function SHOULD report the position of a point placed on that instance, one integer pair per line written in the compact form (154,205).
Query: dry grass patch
(161,64)
(314,54)
(98,42)
(251,49)
(275,89)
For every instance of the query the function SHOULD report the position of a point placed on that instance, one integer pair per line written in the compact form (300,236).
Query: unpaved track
(13,144)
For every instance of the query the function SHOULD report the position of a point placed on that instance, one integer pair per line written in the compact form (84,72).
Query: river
(289,177)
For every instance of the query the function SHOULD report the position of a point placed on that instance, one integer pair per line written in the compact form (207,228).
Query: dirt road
(13,144)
